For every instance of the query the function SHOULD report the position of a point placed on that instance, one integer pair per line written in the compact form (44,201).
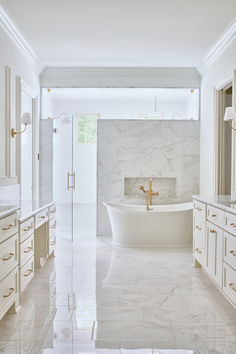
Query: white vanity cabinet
(26,253)
(9,257)
(214,252)
(199,228)
(214,245)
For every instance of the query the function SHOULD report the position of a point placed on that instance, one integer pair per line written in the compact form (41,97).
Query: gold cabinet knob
(11,291)
(232,252)
(28,249)
(29,272)
(212,231)
(8,257)
(231,285)
(8,227)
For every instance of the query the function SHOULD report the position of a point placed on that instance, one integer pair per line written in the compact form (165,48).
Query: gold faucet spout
(148,193)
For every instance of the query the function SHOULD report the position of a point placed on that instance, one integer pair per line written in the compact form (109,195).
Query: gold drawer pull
(198,227)
(198,250)
(29,272)
(42,217)
(233,224)
(8,227)
(213,215)
(231,285)
(8,257)
(212,231)
(233,252)
(53,243)
(198,208)
(10,292)
(53,211)
(28,249)
(28,228)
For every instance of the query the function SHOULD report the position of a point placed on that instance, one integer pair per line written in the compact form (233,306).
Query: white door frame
(219,103)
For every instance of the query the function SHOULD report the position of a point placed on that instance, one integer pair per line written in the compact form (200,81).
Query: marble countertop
(6,210)
(27,208)
(30,208)
(224,202)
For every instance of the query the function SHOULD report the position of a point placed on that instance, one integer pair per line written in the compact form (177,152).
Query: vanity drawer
(26,274)
(8,291)
(26,250)
(8,255)
(229,282)
(52,226)
(41,217)
(8,226)
(52,211)
(199,211)
(230,249)
(230,223)
(26,229)
(52,244)
(215,215)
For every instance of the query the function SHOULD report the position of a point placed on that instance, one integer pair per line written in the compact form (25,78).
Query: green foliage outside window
(86,129)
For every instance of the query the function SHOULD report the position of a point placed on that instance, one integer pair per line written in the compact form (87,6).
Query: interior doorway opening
(224,143)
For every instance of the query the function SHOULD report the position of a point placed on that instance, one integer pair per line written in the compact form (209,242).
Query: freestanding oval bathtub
(162,226)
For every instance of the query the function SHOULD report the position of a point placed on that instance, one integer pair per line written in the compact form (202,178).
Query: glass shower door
(64,176)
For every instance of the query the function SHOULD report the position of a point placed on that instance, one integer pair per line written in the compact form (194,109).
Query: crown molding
(13,32)
(221,44)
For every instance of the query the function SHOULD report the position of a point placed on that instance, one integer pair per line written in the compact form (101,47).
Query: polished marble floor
(96,298)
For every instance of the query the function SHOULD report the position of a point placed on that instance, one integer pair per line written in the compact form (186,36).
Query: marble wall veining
(138,148)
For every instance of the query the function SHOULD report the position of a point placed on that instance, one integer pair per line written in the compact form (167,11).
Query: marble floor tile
(121,300)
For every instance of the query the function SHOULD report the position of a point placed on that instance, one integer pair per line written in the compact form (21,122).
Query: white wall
(13,57)
(219,73)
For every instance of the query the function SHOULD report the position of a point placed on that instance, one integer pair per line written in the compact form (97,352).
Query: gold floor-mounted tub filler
(148,194)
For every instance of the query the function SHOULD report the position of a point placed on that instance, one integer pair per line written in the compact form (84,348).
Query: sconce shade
(26,118)
(229,114)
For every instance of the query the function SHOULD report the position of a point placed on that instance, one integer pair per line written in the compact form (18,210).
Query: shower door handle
(68,180)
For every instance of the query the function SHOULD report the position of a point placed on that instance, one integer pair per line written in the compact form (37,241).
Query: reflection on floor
(150,300)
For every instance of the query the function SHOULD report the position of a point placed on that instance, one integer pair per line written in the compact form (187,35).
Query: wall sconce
(25,119)
(230,115)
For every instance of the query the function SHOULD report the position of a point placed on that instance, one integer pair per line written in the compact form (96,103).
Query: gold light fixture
(25,119)
(230,115)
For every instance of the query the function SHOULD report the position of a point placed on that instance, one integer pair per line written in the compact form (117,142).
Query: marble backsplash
(131,151)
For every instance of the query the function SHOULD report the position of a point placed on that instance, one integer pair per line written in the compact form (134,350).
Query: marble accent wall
(169,150)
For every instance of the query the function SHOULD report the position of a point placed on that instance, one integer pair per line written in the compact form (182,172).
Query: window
(86,128)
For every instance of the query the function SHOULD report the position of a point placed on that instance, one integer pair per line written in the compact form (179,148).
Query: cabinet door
(214,252)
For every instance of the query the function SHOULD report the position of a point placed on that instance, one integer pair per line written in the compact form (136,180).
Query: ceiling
(121,32)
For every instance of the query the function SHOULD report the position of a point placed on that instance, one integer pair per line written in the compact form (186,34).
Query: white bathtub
(162,226)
